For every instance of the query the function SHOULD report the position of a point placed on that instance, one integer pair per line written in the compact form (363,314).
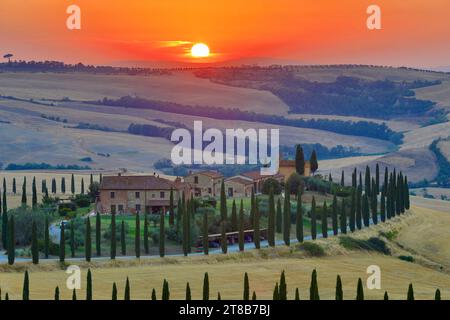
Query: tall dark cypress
(279,217)
(114,292)
(11,241)
(358,209)
(46,238)
(34,194)
(352,217)
(324,222)
(82,186)
(314,287)
(5,202)
(343,218)
(437,295)
(205,233)
(5,227)
(299,218)
(34,243)
(127,294)
(256,226)
(113,237)
(146,234)
(241,226)
(271,220)
(72,239)
(367,181)
(188,292)
(339,293)
(342,179)
(154,294)
(88,241)
(137,238)
(374,206)
(26,287)
(365,210)
(224,240)
(246,295)
(386,180)
(359,290)
(287,216)
(276,292)
(313,219)
(297,294)
(383,208)
(171,208)
(162,236)
(62,244)
(234,222)
(63,185)
(72,184)
(24,192)
(334,215)
(410,295)
(405,193)
(185,227)
(377,179)
(53,185)
(98,235)
(165,290)
(313,162)
(123,242)
(89,285)
(206,287)
(299,160)
(14,186)
(282,288)
(252,207)
(57,293)
(223,202)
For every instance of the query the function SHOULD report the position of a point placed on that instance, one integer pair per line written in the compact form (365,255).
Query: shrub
(312,249)
(390,235)
(406,258)
(372,244)
(295,183)
(82,200)
(271,183)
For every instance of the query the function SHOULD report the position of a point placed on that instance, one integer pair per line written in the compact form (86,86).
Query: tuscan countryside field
(135,159)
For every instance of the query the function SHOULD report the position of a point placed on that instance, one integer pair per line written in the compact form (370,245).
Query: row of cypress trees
(280,291)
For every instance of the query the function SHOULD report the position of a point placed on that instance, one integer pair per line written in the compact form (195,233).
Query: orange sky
(415,32)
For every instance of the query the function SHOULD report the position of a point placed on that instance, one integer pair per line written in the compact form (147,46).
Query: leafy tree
(246,288)
(34,244)
(339,292)
(206,287)
(313,219)
(299,218)
(271,183)
(359,290)
(299,160)
(314,287)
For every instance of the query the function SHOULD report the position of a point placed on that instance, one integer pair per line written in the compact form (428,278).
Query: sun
(200,50)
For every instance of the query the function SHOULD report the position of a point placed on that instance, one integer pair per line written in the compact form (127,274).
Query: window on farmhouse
(162,194)
(138,195)
(113,195)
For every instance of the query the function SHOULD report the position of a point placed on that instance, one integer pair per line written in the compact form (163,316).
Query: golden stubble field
(264,267)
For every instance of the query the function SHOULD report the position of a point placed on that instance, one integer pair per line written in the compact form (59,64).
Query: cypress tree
(43,185)
(185,228)
(34,244)
(98,235)
(165,291)
(256,226)
(279,219)
(252,207)
(386,296)
(359,290)
(34,194)
(53,185)
(4,201)
(74,295)
(7,296)
(342,179)
(26,287)
(127,296)
(223,202)
(254,296)
(386,180)
(224,240)
(188,292)
(205,233)
(56,293)
(82,186)
(339,292)
(206,287)
(271,219)
(374,207)
(219,297)
(62,244)
(241,227)
(234,220)
(14,186)
(314,287)
(72,184)
(246,287)
(287,216)
(313,219)
(113,236)
(171,209)
(89,285)
(91,180)
(383,208)
(343,218)
(354,177)
(88,242)
(179,215)
(367,188)
(377,179)
(358,209)
(137,238)
(114,292)
(154,294)
(365,210)
(324,223)
(46,238)
(63,185)
(437,295)
(410,292)
(299,160)
(11,242)
(162,246)
(334,215)
(299,218)
(24,192)
(313,162)
(146,244)
(297,294)
(123,243)
(282,295)
(276,292)
(4,222)
(405,190)
(72,239)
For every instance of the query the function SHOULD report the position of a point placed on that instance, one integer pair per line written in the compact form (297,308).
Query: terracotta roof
(291,163)
(256,175)
(239,180)
(209,173)
(135,183)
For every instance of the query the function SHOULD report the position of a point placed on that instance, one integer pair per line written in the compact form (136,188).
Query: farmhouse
(287,168)
(258,179)
(205,183)
(135,194)
(238,187)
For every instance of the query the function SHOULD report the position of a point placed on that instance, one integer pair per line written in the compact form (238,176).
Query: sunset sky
(414,32)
